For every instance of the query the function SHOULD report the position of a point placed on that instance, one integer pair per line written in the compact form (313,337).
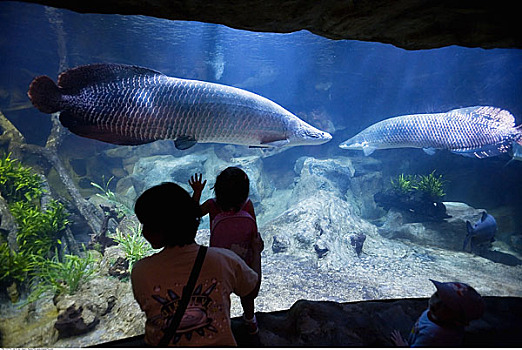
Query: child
(170,221)
(233,226)
(451,308)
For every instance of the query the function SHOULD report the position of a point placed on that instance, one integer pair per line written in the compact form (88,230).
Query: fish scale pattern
(132,105)
(461,130)
(143,108)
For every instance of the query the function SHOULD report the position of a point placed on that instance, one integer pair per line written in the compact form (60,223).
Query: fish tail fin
(518,138)
(45,95)
(466,241)
(469,229)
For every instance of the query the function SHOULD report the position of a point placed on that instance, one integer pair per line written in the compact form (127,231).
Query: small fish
(131,105)
(483,231)
(479,131)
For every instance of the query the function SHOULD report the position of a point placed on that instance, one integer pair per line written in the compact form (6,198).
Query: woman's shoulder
(222,253)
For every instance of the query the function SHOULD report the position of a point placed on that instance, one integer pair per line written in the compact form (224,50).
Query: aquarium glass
(337,225)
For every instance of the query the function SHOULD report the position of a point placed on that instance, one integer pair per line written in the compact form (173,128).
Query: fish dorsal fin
(493,114)
(76,78)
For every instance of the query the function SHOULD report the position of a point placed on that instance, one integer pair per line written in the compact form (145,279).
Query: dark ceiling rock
(409,24)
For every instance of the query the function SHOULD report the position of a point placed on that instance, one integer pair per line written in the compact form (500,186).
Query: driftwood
(110,212)
(11,137)
(8,225)
(16,145)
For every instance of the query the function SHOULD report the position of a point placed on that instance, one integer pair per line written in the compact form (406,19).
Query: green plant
(105,191)
(62,277)
(18,182)
(111,197)
(14,266)
(38,231)
(403,184)
(431,185)
(133,244)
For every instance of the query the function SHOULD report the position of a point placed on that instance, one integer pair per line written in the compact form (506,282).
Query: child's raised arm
(198,186)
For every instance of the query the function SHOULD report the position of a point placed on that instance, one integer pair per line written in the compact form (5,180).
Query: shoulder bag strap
(185,298)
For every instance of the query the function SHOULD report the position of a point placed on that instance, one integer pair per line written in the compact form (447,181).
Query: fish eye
(312,134)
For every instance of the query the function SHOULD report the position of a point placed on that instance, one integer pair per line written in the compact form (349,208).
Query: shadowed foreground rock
(368,324)
(409,24)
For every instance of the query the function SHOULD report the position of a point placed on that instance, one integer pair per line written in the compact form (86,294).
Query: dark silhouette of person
(170,220)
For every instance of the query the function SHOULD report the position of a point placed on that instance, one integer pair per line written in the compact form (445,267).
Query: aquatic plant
(111,197)
(14,266)
(59,277)
(18,182)
(403,184)
(133,244)
(38,231)
(431,185)
(105,191)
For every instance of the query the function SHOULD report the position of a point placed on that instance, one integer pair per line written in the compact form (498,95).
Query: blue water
(354,83)
(339,86)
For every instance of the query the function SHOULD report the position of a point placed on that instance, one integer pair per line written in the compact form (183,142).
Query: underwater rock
(132,153)
(416,207)
(406,24)
(498,257)
(332,175)
(8,224)
(321,249)
(516,242)
(357,242)
(78,166)
(112,302)
(356,182)
(120,268)
(203,237)
(448,233)
(154,170)
(370,323)
(12,291)
(73,322)
(228,153)
(315,225)
(149,171)
(279,245)
(361,193)
(30,326)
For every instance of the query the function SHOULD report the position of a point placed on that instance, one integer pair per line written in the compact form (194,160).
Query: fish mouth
(324,137)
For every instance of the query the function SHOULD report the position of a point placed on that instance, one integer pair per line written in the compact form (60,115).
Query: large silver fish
(479,131)
(130,105)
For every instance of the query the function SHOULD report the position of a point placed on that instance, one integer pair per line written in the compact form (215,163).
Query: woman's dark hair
(231,189)
(168,210)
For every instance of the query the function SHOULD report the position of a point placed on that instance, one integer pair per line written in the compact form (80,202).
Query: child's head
(169,215)
(455,303)
(231,188)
